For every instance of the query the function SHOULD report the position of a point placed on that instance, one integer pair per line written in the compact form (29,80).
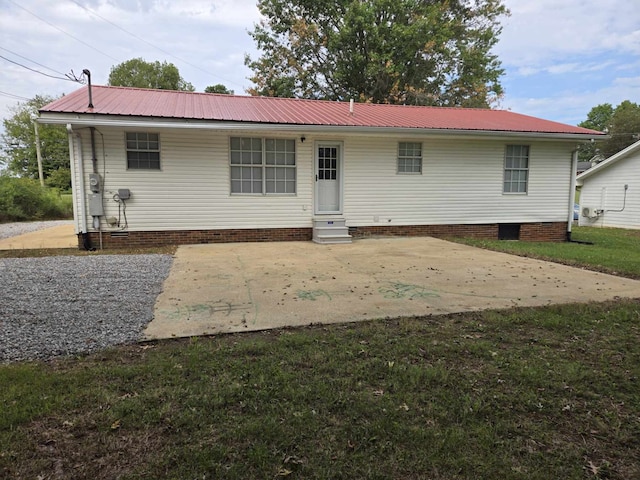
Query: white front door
(328,178)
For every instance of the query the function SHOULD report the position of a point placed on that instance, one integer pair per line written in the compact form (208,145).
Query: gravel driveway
(65,305)
(8,230)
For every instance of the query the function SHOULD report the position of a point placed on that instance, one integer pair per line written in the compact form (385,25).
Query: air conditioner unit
(589,212)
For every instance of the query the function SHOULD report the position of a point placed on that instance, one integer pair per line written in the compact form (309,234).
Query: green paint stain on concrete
(404,290)
(312,294)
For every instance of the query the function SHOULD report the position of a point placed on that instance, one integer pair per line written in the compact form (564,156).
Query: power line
(152,45)
(37,71)
(63,31)
(11,95)
(32,61)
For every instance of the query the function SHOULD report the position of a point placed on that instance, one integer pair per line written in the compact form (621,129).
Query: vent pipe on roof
(351,106)
(88,74)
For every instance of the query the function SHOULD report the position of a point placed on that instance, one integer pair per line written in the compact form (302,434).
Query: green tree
(622,123)
(19,154)
(141,74)
(218,88)
(382,51)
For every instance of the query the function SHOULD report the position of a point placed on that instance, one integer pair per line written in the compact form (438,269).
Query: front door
(328,178)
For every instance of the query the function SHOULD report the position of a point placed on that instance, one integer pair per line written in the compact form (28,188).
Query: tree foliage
(218,88)
(141,74)
(24,199)
(384,51)
(19,154)
(622,123)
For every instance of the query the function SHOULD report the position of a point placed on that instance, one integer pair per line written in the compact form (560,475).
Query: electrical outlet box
(124,193)
(94,182)
(95,205)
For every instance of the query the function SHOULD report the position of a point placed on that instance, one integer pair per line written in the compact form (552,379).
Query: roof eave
(98,120)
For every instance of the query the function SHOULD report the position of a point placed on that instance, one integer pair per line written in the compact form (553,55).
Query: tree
(622,123)
(218,88)
(19,154)
(141,74)
(382,51)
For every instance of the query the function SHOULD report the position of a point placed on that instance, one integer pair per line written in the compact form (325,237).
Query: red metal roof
(234,108)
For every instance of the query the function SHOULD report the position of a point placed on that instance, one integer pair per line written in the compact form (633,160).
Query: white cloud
(541,31)
(571,106)
(544,43)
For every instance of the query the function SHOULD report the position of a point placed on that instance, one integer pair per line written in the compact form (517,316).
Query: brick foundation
(191,237)
(539,232)
(550,231)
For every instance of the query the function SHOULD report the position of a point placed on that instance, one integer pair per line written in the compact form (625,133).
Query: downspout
(572,196)
(78,187)
(94,159)
(572,191)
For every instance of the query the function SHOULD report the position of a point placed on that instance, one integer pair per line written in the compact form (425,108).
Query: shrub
(24,199)
(60,179)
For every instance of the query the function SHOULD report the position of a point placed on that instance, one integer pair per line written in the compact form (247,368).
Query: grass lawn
(521,394)
(613,250)
(528,393)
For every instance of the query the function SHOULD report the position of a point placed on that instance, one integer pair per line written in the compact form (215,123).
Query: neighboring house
(584,166)
(153,167)
(610,191)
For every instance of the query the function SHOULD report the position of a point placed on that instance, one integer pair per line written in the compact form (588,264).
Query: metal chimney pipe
(88,74)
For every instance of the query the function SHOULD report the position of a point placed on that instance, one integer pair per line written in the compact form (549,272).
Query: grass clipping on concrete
(520,394)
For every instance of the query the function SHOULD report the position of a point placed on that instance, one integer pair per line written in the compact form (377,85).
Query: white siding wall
(192,189)
(605,191)
(461,182)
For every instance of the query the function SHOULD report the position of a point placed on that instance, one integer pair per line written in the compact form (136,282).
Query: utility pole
(38,153)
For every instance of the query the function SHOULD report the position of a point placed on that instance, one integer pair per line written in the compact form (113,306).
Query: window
(516,169)
(263,166)
(143,151)
(410,157)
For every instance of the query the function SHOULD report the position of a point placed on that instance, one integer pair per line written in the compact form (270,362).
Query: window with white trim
(263,166)
(516,169)
(410,158)
(143,151)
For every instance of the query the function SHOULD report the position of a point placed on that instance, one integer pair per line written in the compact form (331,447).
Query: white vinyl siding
(604,190)
(262,165)
(143,150)
(462,182)
(409,158)
(516,169)
(192,191)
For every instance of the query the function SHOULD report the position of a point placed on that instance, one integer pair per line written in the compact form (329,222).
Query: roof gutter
(99,121)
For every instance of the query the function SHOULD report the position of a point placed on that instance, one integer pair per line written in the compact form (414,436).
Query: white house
(153,167)
(610,193)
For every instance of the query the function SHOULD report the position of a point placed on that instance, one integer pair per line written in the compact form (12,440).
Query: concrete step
(328,230)
(330,222)
(331,231)
(332,239)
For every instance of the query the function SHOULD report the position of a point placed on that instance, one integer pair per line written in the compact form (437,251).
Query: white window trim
(504,168)
(399,157)
(264,166)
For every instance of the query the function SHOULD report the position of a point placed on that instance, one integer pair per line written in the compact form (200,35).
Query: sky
(561,57)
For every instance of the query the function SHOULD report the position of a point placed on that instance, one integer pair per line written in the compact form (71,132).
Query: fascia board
(137,122)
